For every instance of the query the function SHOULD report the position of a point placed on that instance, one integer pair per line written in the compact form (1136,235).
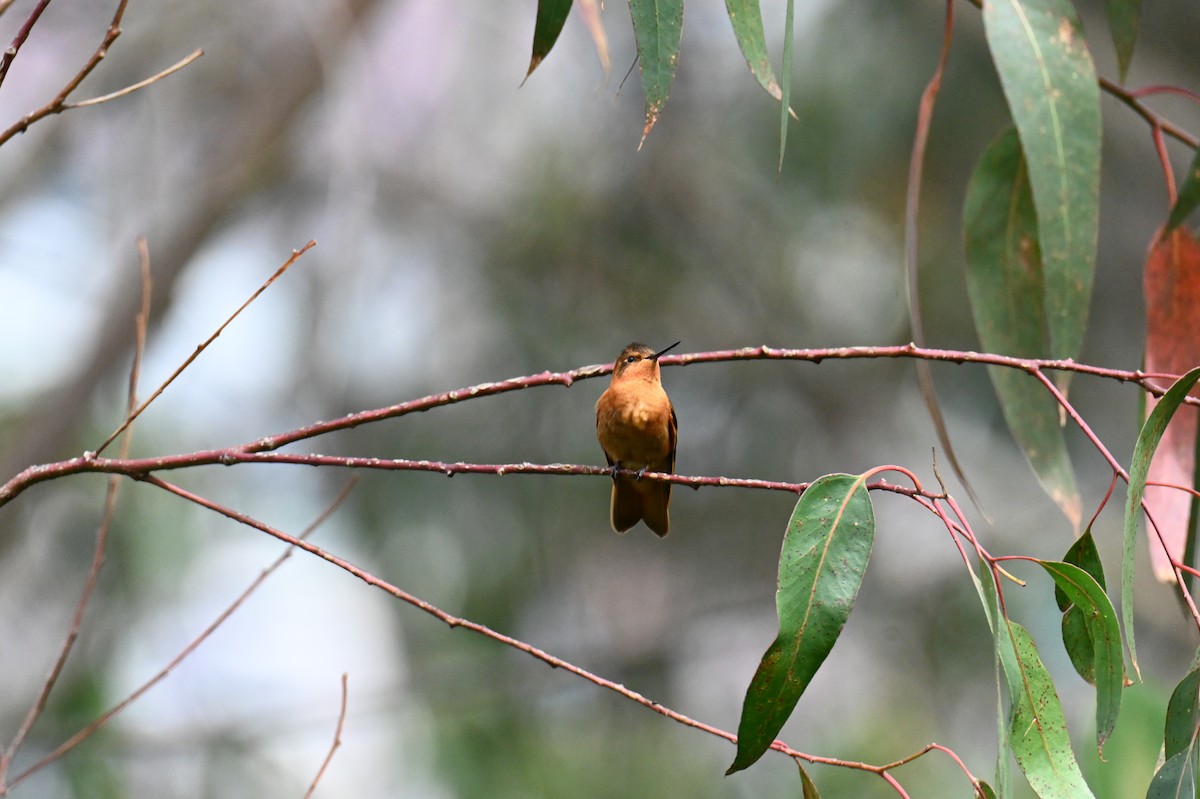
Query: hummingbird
(636,426)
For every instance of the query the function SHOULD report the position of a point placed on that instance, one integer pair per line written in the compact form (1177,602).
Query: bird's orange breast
(633,423)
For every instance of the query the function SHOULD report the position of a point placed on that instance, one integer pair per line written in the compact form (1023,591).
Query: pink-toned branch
(96,724)
(539,654)
(88,462)
(59,103)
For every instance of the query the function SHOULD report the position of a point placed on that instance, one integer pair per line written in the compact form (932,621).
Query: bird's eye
(631,359)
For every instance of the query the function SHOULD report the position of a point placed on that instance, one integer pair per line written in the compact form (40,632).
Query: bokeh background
(471,228)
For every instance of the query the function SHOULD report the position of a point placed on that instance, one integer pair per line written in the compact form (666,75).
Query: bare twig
(196,354)
(337,742)
(194,644)
(104,98)
(1133,101)
(59,103)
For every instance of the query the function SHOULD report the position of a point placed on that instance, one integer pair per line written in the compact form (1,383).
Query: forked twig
(134,414)
(59,103)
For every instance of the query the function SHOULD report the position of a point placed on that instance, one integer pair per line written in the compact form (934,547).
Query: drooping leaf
(1124,16)
(1189,196)
(789,44)
(825,553)
(1050,84)
(991,608)
(1139,467)
(807,785)
(988,793)
(1104,645)
(1006,286)
(1037,730)
(1172,291)
(590,11)
(1177,778)
(551,15)
(1082,553)
(657,29)
(1180,728)
(1079,642)
(746,18)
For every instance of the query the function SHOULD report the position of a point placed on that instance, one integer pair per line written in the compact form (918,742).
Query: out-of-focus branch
(10,52)
(58,104)
(242,152)
(101,545)
(337,740)
(104,98)
(191,647)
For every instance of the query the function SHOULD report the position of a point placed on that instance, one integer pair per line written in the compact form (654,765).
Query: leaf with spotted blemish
(1050,83)
(1037,728)
(825,553)
(657,29)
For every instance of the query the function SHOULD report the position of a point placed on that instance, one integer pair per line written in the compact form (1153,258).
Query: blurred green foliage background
(470,230)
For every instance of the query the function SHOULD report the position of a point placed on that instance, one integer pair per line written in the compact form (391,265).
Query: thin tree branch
(88,462)
(191,647)
(10,52)
(337,742)
(196,354)
(58,104)
(539,654)
(104,98)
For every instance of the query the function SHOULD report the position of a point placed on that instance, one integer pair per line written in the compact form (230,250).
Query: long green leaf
(1038,731)
(1181,724)
(991,608)
(657,29)
(1147,441)
(1006,288)
(1106,656)
(551,16)
(789,44)
(825,553)
(1124,17)
(1050,83)
(746,18)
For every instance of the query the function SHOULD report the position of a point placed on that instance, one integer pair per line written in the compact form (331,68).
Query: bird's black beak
(654,357)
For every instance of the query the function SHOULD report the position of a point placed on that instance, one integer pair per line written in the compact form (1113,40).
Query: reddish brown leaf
(1172,287)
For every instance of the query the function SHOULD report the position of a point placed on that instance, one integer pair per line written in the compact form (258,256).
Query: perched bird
(636,426)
